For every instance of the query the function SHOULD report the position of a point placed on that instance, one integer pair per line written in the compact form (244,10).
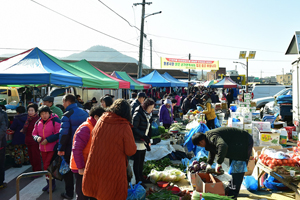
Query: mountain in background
(102,54)
(97,53)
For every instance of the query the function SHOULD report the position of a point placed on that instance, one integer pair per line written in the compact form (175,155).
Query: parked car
(261,102)
(261,91)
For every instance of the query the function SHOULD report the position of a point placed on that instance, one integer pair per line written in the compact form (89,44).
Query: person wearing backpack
(46,128)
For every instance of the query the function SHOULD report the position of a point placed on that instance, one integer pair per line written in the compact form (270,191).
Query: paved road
(29,188)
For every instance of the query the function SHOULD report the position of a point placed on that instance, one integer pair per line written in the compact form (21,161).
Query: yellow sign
(251,54)
(265,137)
(242,54)
(176,63)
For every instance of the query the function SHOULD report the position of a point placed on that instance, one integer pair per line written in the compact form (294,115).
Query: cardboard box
(256,151)
(204,184)
(250,167)
(269,138)
(253,104)
(239,125)
(191,178)
(224,106)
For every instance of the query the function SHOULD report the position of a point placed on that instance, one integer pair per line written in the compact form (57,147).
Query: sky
(208,30)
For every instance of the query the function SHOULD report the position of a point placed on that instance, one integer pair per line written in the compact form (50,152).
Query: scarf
(170,110)
(29,118)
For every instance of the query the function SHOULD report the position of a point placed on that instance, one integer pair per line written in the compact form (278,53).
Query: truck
(293,49)
(8,95)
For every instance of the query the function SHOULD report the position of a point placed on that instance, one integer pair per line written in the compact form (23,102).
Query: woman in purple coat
(165,114)
(18,140)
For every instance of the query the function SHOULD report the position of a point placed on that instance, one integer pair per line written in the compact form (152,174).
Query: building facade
(285,79)
(213,76)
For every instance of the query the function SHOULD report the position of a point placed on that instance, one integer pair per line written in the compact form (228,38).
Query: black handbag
(54,168)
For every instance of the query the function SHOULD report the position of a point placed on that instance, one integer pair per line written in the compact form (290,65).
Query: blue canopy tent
(35,67)
(175,81)
(156,80)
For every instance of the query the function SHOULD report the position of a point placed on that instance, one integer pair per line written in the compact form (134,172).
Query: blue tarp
(34,67)
(156,80)
(174,81)
(188,137)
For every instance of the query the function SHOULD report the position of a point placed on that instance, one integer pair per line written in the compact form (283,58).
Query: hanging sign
(176,63)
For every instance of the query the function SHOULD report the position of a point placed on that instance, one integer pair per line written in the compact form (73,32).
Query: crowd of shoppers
(93,142)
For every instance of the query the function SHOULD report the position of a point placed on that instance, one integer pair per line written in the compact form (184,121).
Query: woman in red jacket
(105,175)
(33,146)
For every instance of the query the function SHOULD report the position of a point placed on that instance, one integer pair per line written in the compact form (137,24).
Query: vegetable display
(198,166)
(160,165)
(210,196)
(163,194)
(272,162)
(169,174)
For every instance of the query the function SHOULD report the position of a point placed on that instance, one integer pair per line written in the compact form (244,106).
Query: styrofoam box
(247,95)
(247,101)
(248,128)
(236,115)
(247,117)
(262,126)
(244,105)
(252,109)
(239,125)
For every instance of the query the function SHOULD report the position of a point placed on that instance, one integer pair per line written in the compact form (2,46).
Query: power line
(119,15)
(84,24)
(212,44)
(74,50)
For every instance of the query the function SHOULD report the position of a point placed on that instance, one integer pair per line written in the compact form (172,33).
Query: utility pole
(261,74)
(283,76)
(140,67)
(189,69)
(247,75)
(202,75)
(150,53)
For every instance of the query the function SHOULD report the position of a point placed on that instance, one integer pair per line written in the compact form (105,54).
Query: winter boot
(47,186)
(53,186)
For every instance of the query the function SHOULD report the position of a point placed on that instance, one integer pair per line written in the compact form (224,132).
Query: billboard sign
(176,63)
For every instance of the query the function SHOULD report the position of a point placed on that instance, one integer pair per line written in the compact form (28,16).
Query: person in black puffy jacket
(142,120)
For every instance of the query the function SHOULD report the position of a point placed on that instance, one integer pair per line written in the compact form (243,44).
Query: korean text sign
(176,63)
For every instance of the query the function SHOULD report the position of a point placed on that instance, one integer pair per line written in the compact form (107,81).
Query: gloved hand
(218,168)
(146,139)
(208,167)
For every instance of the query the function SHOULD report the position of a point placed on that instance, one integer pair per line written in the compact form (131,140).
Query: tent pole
(33,94)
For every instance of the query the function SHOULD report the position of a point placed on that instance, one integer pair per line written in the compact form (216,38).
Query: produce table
(268,170)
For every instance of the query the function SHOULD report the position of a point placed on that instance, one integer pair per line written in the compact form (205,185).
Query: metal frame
(26,175)
(268,170)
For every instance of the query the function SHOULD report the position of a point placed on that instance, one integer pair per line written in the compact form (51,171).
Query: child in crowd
(18,140)
(44,132)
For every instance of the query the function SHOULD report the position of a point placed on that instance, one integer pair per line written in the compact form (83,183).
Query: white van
(9,94)
(260,91)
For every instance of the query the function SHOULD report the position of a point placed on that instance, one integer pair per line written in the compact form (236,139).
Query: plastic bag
(64,167)
(188,137)
(233,108)
(54,168)
(237,166)
(250,183)
(137,192)
(273,184)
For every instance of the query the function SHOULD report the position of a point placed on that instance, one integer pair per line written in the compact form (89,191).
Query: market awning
(174,80)
(156,80)
(125,76)
(226,82)
(35,67)
(104,80)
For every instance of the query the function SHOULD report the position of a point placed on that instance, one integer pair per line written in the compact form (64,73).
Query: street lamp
(243,56)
